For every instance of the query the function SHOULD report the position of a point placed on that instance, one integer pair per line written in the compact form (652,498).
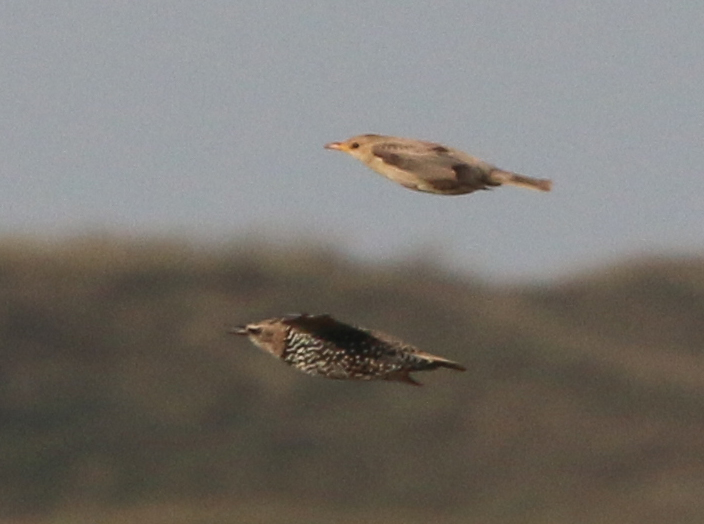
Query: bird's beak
(337,146)
(239,330)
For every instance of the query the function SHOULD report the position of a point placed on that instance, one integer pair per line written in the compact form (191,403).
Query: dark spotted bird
(430,167)
(321,345)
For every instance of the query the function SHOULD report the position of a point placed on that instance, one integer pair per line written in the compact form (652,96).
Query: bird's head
(359,146)
(269,335)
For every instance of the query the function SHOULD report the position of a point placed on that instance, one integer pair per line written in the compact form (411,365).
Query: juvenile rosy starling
(430,167)
(320,345)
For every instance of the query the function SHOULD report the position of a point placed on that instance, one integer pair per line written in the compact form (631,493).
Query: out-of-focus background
(163,177)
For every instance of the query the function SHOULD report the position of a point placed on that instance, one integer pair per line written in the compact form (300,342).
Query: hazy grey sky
(208,118)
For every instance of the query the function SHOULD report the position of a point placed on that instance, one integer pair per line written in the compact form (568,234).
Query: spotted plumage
(321,345)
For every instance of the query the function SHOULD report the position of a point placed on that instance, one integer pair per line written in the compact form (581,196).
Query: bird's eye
(354,145)
(254,330)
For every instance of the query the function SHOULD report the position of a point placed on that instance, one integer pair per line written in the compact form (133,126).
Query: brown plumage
(321,345)
(430,167)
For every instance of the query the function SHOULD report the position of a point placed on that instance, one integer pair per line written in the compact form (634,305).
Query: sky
(207,119)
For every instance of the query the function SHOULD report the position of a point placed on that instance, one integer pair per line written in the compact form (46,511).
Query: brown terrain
(123,399)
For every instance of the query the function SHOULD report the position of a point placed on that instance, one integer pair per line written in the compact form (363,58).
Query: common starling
(321,345)
(430,167)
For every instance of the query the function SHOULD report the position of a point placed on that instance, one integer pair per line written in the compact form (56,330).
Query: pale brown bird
(430,167)
(321,345)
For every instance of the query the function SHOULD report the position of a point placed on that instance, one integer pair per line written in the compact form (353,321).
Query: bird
(430,167)
(320,345)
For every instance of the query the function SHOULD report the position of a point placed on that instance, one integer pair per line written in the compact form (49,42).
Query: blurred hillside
(122,398)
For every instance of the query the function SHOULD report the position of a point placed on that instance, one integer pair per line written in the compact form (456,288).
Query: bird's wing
(304,319)
(433,163)
(330,330)
(314,324)
(395,346)
(388,339)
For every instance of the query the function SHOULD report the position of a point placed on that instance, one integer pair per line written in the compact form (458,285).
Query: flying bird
(321,345)
(430,167)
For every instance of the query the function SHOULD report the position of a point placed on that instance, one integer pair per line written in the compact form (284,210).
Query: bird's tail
(444,363)
(425,362)
(514,179)
(433,361)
